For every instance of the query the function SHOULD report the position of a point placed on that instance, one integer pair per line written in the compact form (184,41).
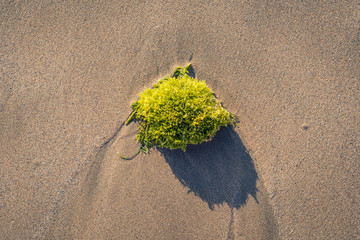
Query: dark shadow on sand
(191,72)
(219,171)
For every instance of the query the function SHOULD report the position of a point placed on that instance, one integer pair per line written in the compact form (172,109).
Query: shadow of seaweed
(219,171)
(191,72)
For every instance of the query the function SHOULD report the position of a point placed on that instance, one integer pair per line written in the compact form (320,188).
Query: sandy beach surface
(289,70)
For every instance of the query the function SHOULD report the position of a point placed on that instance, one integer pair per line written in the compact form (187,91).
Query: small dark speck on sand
(305,126)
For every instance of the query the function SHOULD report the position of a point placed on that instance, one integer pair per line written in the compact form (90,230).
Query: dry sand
(290,71)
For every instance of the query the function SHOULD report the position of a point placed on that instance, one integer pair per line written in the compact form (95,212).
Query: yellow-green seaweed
(177,111)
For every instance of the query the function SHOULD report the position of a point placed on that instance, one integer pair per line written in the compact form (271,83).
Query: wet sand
(69,71)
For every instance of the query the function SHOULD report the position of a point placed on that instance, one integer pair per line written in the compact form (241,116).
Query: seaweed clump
(177,111)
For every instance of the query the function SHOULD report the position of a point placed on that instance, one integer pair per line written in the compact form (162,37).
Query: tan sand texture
(290,71)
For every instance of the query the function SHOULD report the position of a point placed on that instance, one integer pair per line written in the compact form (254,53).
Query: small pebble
(305,126)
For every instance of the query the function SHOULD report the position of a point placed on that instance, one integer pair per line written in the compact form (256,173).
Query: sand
(290,71)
